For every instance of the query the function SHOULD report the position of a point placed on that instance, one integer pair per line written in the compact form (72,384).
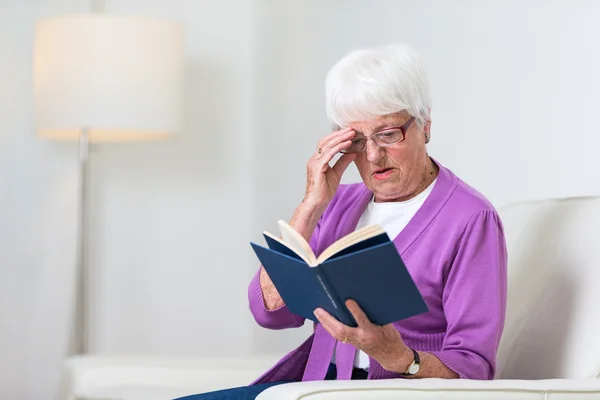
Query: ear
(427,131)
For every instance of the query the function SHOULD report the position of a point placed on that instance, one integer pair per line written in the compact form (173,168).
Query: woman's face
(395,172)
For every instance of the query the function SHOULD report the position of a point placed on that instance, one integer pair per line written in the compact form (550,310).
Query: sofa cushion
(437,389)
(551,328)
(96,377)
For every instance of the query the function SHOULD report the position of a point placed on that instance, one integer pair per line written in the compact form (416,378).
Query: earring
(426,137)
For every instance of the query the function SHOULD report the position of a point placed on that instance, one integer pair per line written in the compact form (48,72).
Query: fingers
(337,148)
(332,144)
(359,316)
(322,180)
(335,137)
(329,147)
(344,161)
(335,328)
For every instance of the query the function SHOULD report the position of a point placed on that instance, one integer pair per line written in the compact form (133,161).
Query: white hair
(370,83)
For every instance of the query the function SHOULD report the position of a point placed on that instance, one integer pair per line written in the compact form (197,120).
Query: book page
(303,257)
(296,242)
(349,240)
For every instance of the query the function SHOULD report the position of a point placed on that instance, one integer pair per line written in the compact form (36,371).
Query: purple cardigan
(454,249)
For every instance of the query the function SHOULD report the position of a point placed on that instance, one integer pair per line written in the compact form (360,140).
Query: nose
(374,152)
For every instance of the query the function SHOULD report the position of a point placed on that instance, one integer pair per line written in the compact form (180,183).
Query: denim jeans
(251,392)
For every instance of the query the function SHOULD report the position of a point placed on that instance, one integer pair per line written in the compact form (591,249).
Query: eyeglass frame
(404,128)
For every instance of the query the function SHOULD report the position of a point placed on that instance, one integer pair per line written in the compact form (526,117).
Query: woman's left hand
(383,343)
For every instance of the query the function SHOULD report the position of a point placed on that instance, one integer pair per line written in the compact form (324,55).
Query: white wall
(37,219)
(515,86)
(514,97)
(171,219)
(515,91)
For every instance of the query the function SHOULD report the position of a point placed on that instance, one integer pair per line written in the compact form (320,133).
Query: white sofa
(135,377)
(550,349)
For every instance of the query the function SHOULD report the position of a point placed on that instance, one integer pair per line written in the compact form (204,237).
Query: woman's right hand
(322,180)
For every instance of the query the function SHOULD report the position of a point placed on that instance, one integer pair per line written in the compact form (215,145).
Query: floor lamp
(104,78)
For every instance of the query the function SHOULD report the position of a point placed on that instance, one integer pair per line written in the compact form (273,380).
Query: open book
(294,241)
(363,265)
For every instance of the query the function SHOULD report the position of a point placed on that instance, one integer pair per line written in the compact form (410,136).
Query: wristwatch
(414,367)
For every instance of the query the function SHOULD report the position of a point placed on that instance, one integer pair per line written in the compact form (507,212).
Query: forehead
(379,123)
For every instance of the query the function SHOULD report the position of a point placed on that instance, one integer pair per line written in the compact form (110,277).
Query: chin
(387,191)
(384,199)
(386,196)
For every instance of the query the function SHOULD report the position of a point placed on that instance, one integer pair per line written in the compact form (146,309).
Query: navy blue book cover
(370,272)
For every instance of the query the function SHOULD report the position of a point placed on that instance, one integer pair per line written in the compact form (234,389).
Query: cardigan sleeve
(474,299)
(282,317)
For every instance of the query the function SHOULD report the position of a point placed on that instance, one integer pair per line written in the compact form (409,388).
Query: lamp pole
(82,300)
(92,85)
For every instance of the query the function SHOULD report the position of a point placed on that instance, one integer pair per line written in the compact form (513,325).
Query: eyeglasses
(383,138)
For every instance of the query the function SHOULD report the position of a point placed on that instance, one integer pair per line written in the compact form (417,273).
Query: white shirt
(393,218)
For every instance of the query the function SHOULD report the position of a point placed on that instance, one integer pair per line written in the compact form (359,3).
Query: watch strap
(416,362)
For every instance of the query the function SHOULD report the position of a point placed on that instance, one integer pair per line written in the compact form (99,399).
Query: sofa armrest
(97,377)
(437,389)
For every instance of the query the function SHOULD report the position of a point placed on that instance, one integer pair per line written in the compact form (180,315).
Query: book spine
(343,314)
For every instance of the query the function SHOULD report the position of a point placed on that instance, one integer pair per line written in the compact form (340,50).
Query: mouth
(382,173)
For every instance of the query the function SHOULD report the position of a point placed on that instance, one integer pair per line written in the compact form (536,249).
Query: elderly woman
(448,234)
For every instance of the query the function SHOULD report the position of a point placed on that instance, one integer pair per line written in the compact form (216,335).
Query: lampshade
(119,77)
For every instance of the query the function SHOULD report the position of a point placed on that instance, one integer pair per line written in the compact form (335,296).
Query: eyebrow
(377,128)
(381,128)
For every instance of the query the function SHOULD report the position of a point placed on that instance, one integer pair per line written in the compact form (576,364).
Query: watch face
(413,369)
